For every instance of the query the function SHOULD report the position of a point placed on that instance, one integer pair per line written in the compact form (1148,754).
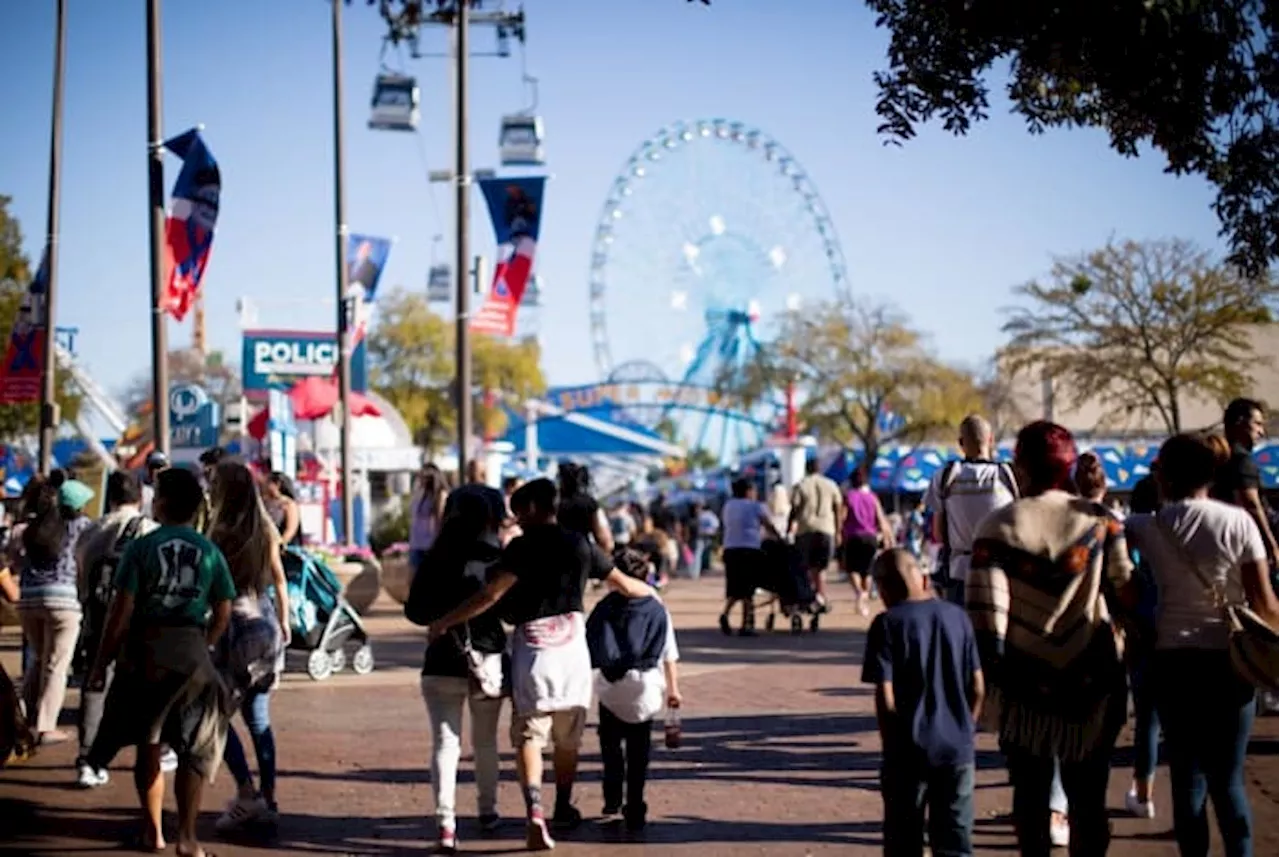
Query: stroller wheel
(797,623)
(362,663)
(337,660)
(768,622)
(319,665)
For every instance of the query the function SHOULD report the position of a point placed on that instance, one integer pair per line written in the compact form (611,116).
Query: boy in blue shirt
(923,659)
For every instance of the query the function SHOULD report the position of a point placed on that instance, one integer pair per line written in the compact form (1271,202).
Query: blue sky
(943,226)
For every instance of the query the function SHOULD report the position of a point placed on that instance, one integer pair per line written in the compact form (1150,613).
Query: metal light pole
(49,416)
(344,346)
(155,203)
(462,178)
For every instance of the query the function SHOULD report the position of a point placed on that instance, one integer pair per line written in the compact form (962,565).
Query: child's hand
(674,699)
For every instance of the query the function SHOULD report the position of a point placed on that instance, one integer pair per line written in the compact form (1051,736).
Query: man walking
(961,495)
(816,516)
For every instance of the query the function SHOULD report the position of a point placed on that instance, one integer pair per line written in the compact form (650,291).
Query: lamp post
(340,234)
(49,416)
(155,206)
(462,180)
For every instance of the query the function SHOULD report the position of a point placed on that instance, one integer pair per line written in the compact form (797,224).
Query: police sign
(279,359)
(194,423)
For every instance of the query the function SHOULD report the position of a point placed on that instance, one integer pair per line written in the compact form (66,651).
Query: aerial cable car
(439,277)
(520,140)
(396,103)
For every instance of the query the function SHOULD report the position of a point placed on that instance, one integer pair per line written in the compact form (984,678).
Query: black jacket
(440,584)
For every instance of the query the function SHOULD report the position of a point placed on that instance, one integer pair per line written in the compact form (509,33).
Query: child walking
(633,650)
(923,659)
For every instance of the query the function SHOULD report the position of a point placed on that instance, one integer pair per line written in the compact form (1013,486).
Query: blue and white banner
(366,257)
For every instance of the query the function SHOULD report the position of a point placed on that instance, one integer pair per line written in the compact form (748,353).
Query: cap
(157,459)
(74,494)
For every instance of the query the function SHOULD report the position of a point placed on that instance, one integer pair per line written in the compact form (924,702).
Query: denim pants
(945,791)
(92,705)
(629,764)
(1207,715)
(446,697)
(257,716)
(1146,723)
(699,547)
(1085,785)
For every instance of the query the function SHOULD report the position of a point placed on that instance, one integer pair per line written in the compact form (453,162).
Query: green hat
(74,495)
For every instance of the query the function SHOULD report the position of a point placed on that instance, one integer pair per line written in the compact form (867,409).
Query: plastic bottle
(671,728)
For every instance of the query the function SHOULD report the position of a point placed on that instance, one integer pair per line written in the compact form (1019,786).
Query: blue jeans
(947,793)
(257,717)
(1207,714)
(1085,784)
(699,548)
(1146,723)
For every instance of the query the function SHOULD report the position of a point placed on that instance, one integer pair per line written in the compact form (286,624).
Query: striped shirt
(54,588)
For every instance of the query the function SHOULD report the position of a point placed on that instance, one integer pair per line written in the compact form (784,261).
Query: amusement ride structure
(710,227)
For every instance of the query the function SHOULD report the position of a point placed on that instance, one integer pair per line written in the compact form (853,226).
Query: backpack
(1004,473)
(100,583)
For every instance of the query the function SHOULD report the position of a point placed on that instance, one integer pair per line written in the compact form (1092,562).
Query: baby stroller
(786,580)
(321,620)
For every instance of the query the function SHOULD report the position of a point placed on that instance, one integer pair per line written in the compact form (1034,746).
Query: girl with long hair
(282,506)
(241,528)
(426,512)
(578,510)
(454,569)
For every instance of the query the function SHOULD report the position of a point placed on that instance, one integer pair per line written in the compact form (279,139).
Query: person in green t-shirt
(172,602)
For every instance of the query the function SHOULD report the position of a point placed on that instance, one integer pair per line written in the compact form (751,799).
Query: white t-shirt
(639,696)
(742,522)
(977,489)
(1219,539)
(708,524)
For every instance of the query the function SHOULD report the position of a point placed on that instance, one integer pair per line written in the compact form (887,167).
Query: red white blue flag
(188,231)
(23,371)
(515,204)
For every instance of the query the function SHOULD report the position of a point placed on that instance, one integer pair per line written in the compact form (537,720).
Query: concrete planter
(397,576)
(361,582)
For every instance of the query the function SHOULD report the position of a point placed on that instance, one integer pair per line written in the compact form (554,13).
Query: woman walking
(50,600)
(1202,553)
(1042,571)
(866,530)
(426,511)
(256,637)
(281,502)
(454,569)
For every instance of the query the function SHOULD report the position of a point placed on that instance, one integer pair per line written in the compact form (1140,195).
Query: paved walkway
(780,758)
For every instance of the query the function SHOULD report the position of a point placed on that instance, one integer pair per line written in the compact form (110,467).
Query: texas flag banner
(22,373)
(188,230)
(515,205)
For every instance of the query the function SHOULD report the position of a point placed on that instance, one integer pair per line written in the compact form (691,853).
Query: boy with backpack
(922,657)
(98,554)
(633,650)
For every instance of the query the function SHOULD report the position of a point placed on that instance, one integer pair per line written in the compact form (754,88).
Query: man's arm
(886,708)
(629,586)
(977,693)
(219,618)
(473,606)
(1251,501)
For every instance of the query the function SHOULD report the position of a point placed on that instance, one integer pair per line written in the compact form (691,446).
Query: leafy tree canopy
(1140,328)
(1194,78)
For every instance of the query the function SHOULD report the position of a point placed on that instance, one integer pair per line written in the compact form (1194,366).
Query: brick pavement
(779,758)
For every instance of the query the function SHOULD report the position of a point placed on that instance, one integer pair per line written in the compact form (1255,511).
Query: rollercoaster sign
(641,395)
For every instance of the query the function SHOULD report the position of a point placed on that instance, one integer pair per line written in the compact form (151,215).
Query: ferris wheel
(711,229)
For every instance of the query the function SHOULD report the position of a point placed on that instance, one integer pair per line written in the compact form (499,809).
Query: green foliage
(852,360)
(702,459)
(411,365)
(1140,327)
(1197,80)
(390,528)
(20,421)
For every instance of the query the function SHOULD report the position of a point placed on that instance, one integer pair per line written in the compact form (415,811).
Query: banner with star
(515,205)
(22,373)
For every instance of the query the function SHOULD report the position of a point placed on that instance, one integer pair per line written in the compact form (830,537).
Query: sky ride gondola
(520,140)
(396,103)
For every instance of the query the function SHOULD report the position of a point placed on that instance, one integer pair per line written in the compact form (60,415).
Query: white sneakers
(1059,832)
(88,778)
(1139,808)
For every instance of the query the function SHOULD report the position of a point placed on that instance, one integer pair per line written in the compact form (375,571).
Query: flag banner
(515,205)
(23,370)
(188,230)
(366,257)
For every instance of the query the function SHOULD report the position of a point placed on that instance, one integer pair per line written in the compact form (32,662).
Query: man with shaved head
(961,495)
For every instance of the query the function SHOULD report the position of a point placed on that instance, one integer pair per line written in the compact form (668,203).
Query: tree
(1140,328)
(22,421)
(1195,79)
(411,364)
(863,375)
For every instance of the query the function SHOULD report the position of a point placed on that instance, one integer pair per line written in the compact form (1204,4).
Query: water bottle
(671,728)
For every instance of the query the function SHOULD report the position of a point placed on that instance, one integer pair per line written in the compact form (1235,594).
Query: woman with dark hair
(426,512)
(50,601)
(454,569)
(578,510)
(865,531)
(257,635)
(743,518)
(281,502)
(1089,477)
(1042,572)
(1202,552)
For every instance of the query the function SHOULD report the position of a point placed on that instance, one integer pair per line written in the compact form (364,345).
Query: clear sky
(943,227)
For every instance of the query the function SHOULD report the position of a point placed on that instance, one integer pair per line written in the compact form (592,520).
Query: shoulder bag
(485,670)
(1253,644)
